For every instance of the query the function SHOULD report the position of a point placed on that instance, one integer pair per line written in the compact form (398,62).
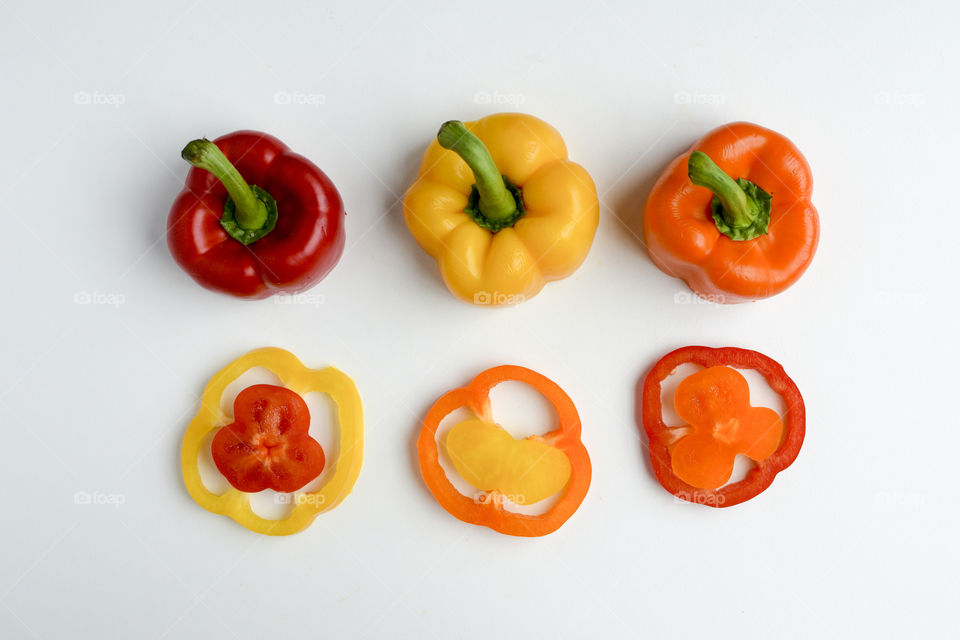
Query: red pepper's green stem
(496,201)
(704,172)
(251,212)
(741,209)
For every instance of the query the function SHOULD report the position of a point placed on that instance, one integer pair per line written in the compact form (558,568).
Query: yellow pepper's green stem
(251,211)
(497,203)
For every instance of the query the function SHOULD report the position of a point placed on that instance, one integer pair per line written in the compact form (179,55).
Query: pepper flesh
(715,403)
(684,240)
(302,248)
(301,380)
(490,459)
(700,402)
(490,511)
(549,241)
(268,445)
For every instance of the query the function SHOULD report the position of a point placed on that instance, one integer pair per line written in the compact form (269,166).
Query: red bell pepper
(254,218)
(695,461)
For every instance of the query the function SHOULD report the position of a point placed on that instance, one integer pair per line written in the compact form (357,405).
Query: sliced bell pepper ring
(732,216)
(501,208)
(488,458)
(695,461)
(300,380)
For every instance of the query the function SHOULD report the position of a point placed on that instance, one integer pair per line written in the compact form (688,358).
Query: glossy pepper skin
(490,512)
(302,248)
(685,238)
(711,396)
(293,375)
(548,229)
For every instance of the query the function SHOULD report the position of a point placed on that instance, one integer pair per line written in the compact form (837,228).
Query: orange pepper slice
(490,511)
(715,402)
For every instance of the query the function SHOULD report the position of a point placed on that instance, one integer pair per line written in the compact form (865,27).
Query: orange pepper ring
(490,513)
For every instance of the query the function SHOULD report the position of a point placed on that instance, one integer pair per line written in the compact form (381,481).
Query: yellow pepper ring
(296,377)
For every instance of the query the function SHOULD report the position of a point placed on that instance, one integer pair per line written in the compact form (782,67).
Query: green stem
(741,209)
(251,211)
(497,203)
(704,172)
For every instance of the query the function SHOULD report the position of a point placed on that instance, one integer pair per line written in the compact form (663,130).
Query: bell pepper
(254,218)
(501,468)
(501,208)
(734,240)
(285,422)
(694,462)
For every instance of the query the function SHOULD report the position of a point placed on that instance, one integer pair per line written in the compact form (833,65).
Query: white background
(857,538)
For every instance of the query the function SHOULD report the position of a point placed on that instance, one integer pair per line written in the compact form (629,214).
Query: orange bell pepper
(734,240)
(487,457)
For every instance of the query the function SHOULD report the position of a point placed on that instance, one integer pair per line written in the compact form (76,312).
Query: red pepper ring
(491,513)
(662,437)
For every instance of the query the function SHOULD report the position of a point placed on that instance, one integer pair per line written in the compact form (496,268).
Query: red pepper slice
(289,251)
(695,461)
(267,445)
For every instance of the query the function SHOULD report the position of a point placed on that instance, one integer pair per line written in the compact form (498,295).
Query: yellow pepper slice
(501,208)
(490,459)
(296,377)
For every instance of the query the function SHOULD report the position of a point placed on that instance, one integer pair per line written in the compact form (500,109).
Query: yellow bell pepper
(296,377)
(501,208)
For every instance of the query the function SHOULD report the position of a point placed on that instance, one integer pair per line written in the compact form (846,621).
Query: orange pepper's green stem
(741,209)
(704,172)
(251,211)
(497,203)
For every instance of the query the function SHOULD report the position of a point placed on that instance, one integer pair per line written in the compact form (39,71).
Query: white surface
(858,538)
